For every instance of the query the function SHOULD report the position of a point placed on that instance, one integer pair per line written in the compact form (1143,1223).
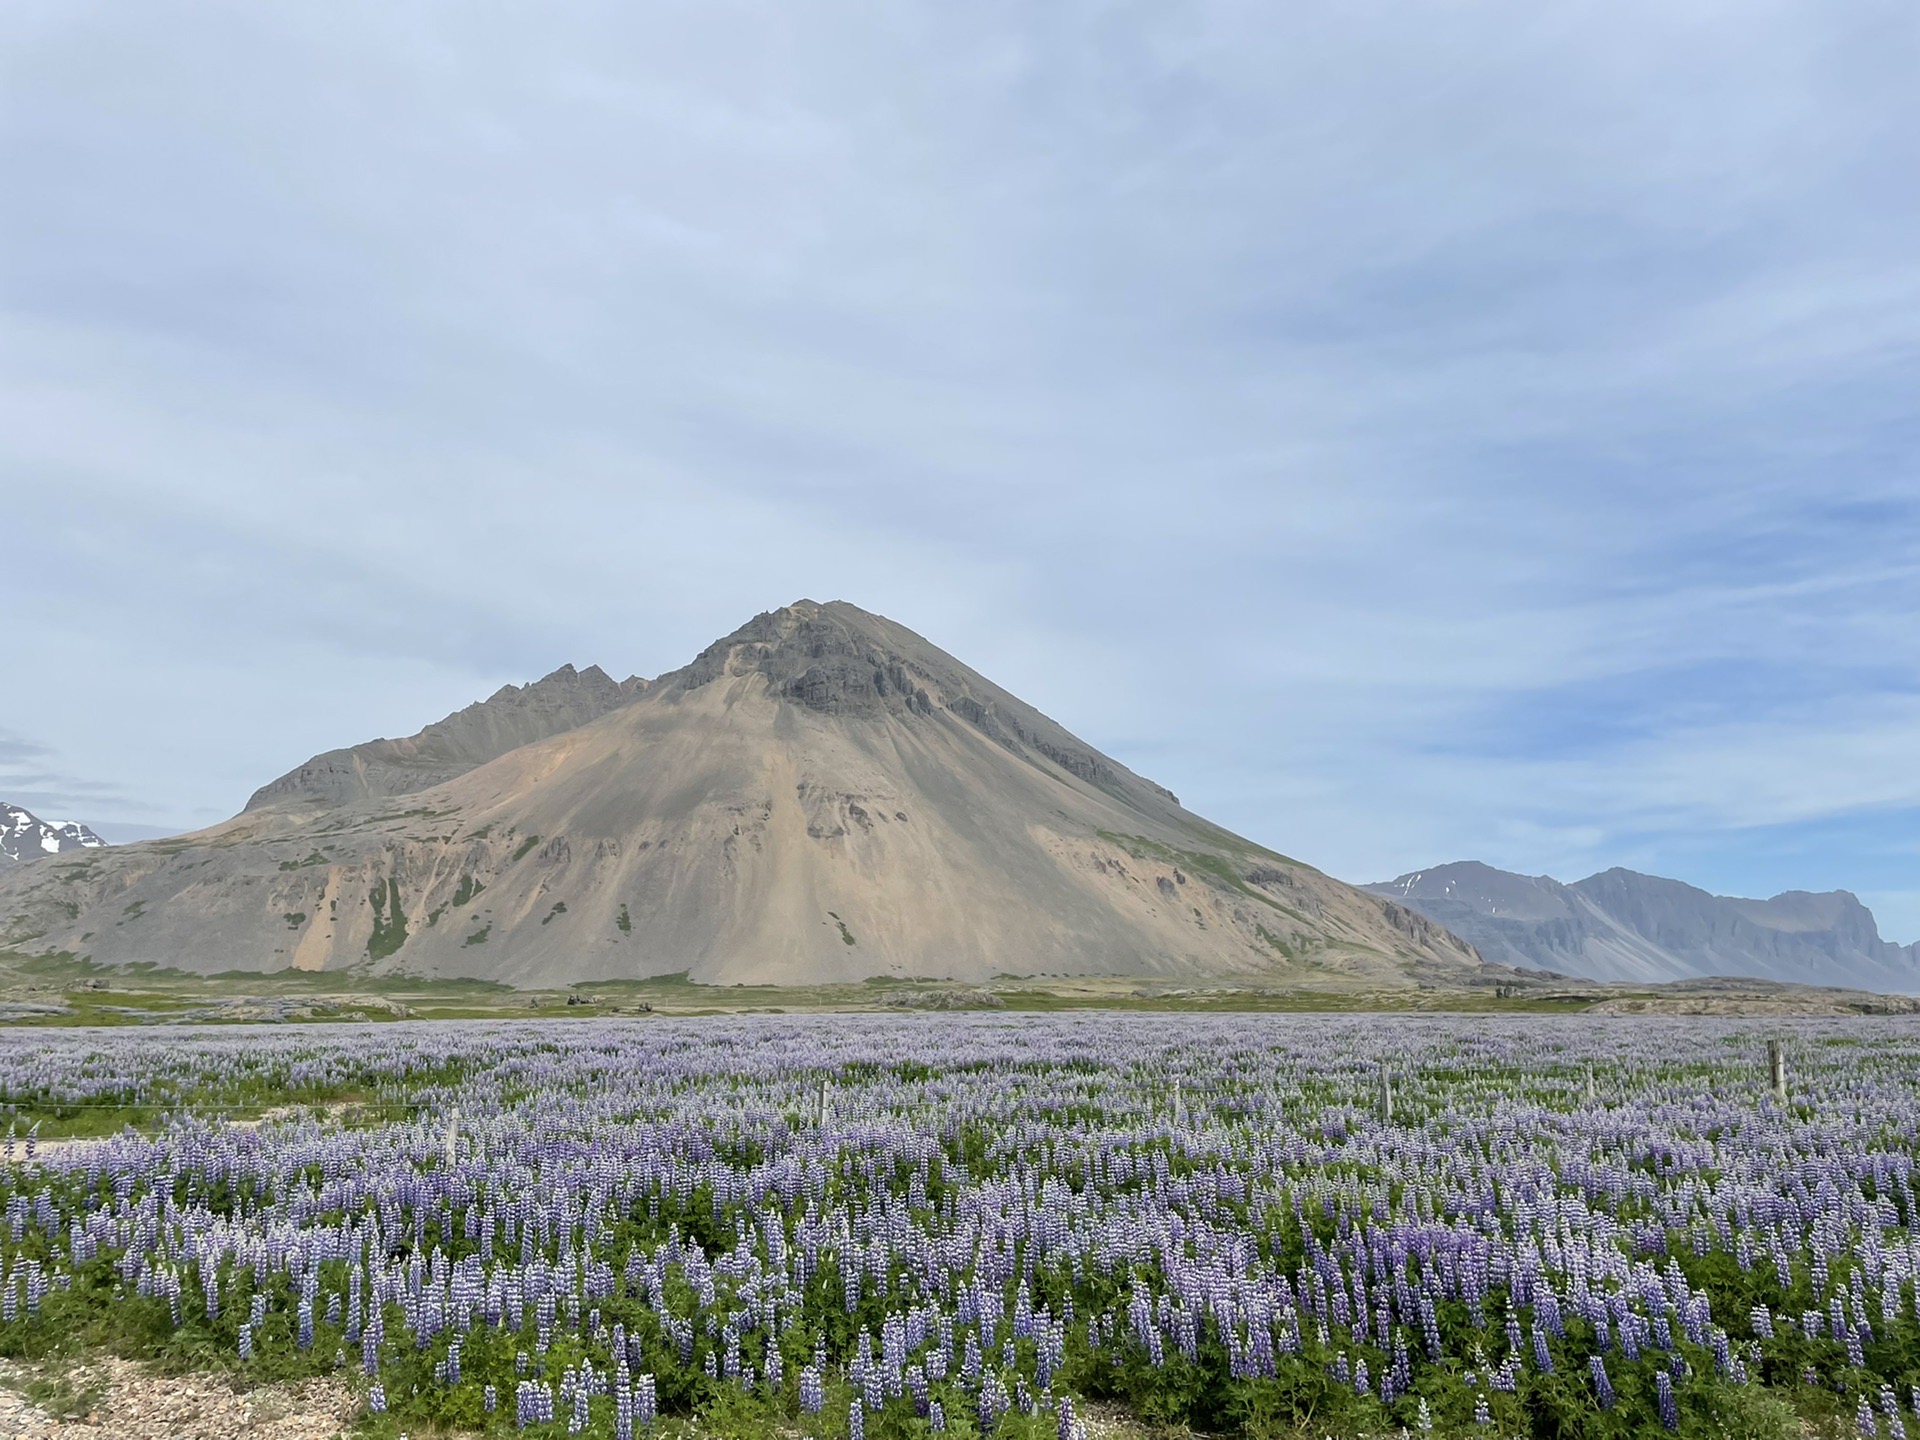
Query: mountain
(820,796)
(25,836)
(1620,925)
(513,716)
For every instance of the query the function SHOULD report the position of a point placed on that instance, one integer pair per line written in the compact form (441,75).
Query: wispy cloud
(1461,432)
(28,779)
(16,753)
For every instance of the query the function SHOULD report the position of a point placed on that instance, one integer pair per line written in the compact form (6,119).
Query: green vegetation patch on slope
(389,920)
(1205,863)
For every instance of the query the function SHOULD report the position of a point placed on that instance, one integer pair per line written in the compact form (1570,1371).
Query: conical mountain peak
(834,658)
(840,660)
(822,795)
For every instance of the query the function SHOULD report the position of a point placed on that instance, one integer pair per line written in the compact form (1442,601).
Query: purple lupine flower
(525,1411)
(992,1404)
(1602,1386)
(646,1403)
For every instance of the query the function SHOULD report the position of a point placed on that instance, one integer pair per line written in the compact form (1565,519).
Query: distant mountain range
(25,836)
(1621,925)
(820,796)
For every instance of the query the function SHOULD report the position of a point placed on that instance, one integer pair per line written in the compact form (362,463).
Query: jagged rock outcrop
(512,716)
(1621,925)
(821,796)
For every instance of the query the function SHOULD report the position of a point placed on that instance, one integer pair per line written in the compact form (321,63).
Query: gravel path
(130,1403)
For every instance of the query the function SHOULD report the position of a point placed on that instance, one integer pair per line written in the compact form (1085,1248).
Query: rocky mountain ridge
(1622,925)
(25,836)
(821,796)
(512,716)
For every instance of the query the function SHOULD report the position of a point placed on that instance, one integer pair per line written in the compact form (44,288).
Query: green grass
(676,994)
(520,850)
(1291,1002)
(1216,868)
(389,920)
(1286,951)
(1239,844)
(67,979)
(65,1392)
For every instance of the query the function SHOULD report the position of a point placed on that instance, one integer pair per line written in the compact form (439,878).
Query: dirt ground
(115,1400)
(109,1399)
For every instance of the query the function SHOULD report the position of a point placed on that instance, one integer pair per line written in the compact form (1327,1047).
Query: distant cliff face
(25,836)
(1621,925)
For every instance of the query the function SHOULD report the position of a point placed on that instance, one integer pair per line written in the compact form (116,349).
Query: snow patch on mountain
(25,836)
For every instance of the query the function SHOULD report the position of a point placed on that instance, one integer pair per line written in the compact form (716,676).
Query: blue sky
(1410,432)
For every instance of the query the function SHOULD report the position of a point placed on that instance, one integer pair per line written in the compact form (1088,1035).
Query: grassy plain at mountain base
(60,991)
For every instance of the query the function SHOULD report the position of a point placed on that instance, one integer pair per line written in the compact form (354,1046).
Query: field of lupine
(880,1226)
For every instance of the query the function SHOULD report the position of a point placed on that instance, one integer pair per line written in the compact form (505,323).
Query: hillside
(821,796)
(1621,925)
